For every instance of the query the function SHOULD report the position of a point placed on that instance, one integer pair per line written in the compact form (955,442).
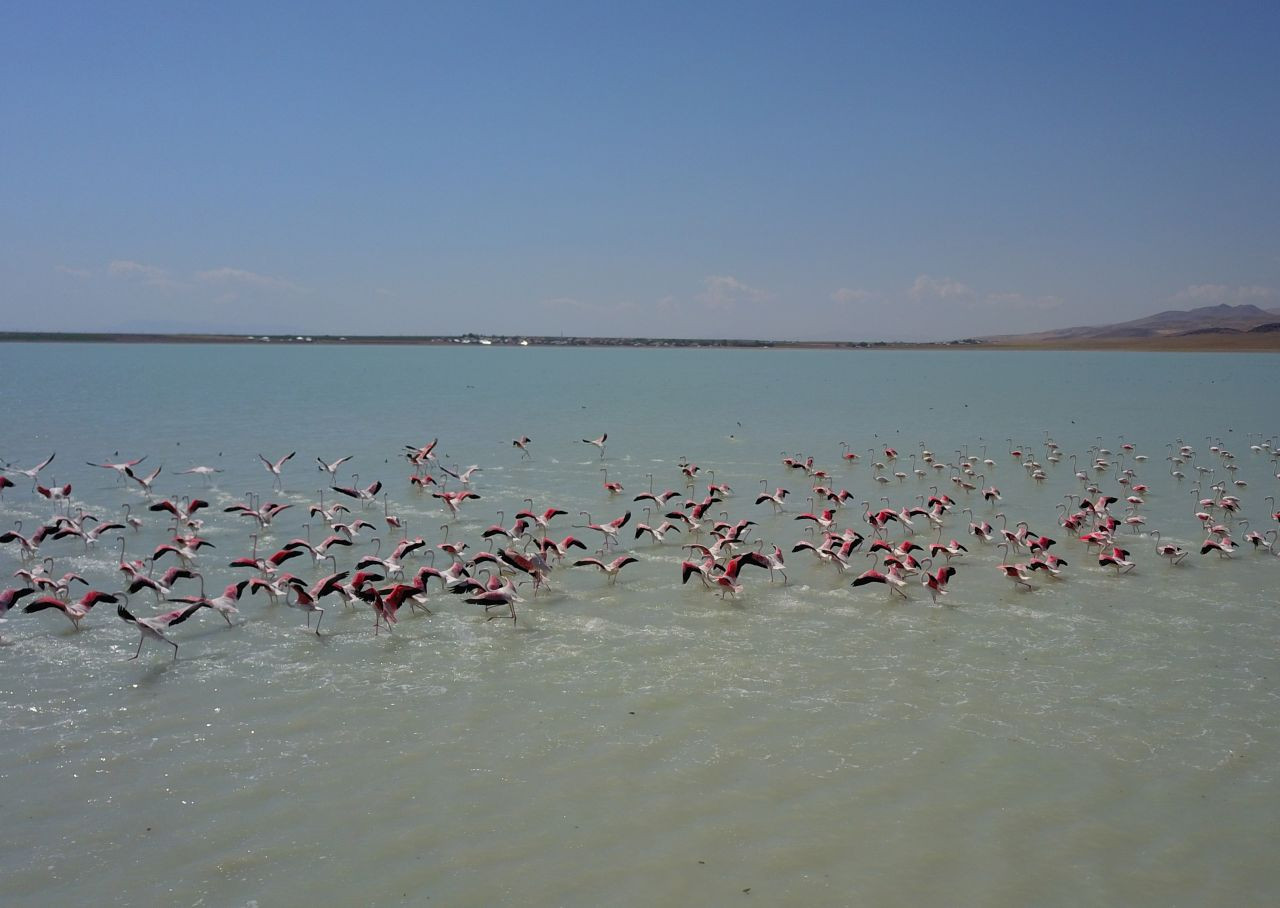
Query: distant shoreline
(1191,343)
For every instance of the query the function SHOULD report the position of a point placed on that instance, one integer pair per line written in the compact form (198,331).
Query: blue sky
(793,171)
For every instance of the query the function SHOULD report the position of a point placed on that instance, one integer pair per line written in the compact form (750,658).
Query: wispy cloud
(74,272)
(723,291)
(1022,301)
(852,295)
(150,275)
(241,277)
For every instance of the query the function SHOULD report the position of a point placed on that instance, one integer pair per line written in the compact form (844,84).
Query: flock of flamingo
(903,542)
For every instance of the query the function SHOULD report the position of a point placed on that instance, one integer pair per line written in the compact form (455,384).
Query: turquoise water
(1097,739)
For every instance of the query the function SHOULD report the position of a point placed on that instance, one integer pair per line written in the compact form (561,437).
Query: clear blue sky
(795,171)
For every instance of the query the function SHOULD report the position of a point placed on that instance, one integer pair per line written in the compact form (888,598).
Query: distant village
(479,340)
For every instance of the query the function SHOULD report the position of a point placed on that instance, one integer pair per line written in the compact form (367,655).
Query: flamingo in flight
(936,583)
(145,481)
(332,468)
(365,496)
(504,595)
(892,580)
(612,568)
(74,611)
(33,472)
(275,468)
(206,472)
(608,530)
(523,443)
(156,626)
(120,468)
(598,442)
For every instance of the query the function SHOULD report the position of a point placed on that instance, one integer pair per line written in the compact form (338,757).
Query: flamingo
(419,457)
(12,596)
(331,468)
(612,488)
(612,568)
(206,472)
(55,493)
(33,472)
(454,500)
(145,481)
(74,611)
(608,530)
(301,599)
(464,476)
(893,580)
(365,496)
(659,532)
(560,549)
(1117,558)
(936,583)
(775,499)
(155,627)
(534,565)
(825,520)
(162,587)
(1224,547)
(657,499)
(274,468)
(224,605)
(1175,553)
(543,519)
(120,468)
(598,442)
(504,595)
(523,443)
(774,561)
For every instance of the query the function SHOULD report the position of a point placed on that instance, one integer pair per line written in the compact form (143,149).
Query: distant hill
(1222,320)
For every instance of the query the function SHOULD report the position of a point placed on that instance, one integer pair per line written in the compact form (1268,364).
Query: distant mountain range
(1181,326)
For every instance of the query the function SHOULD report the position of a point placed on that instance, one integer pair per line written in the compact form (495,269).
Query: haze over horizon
(728,170)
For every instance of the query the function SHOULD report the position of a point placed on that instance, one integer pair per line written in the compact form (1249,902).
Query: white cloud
(852,295)
(722,291)
(248,278)
(74,272)
(926,287)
